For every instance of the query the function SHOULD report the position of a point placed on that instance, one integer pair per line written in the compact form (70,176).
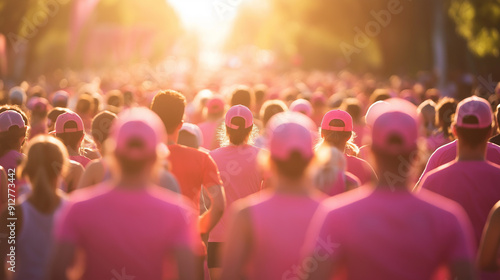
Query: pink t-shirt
(360,168)
(126,231)
(279,223)
(383,234)
(448,152)
(83,160)
(209,131)
(475,185)
(11,160)
(241,177)
(436,140)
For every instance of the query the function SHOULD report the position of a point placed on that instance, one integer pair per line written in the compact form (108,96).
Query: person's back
(472,184)
(448,153)
(149,221)
(388,232)
(385,234)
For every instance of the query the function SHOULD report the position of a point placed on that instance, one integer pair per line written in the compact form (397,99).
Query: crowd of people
(300,176)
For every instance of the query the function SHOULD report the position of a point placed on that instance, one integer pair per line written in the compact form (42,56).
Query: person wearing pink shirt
(12,137)
(336,131)
(69,128)
(469,180)
(389,232)
(128,228)
(215,114)
(267,229)
(240,174)
(34,215)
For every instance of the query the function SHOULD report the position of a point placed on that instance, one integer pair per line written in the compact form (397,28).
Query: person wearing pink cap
(268,229)
(39,110)
(388,232)
(302,106)
(60,99)
(128,228)
(448,152)
(336,131)
(214,118)
(12,137)
(43,167)
(470,180)
(69,128)
(240,174)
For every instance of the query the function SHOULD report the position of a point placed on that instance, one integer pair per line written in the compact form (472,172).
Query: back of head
(84,105)
(271,108)
(241,96)
(53,114)
(239,123)
(69,129)
(427,110)
(336,128)
(46,159)
(169,106)
(12,131)
(114,100)
(352,106)
(101,125)
(445,109)
(291,143)
(17,96)
(379,94)
(473,121)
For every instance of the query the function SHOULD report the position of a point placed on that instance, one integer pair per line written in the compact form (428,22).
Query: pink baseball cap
(474,107)
(301,106)
(392,104)
(395,132)
(215,105)
(38,104)
(139,133)
(289,132)
(11,118)
(63,119)
(239,111)
(337,115)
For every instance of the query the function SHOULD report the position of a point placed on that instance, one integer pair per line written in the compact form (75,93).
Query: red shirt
(192,169)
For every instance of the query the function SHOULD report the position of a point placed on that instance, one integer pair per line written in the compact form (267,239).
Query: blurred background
(445,39)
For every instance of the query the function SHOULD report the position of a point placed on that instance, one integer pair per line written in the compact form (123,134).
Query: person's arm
(93,174)
(209,219)
(73,177)
(238,246)
(62,259)
(490,242)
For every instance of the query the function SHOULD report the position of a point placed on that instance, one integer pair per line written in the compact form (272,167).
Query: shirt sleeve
(211,174)
(66,225)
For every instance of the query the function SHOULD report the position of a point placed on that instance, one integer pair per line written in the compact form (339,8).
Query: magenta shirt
(131,230)
(390,235)
(241,176)
(448,152)
(209,131)
(11,160)
(475,185)
(279,223)
(359,168)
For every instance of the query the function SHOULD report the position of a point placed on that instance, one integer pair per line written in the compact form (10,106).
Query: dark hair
(56,112)
(294,167)
(169,106)
(259,93)
(445,109)
(498,116)
(71,139)
(379,95)
(241,96)
(271,108)
(336,138)
(60,103)
(9,140)
(352,106)
(115,98)
(472,137)
(101,125)
(240,135)
(85,104)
